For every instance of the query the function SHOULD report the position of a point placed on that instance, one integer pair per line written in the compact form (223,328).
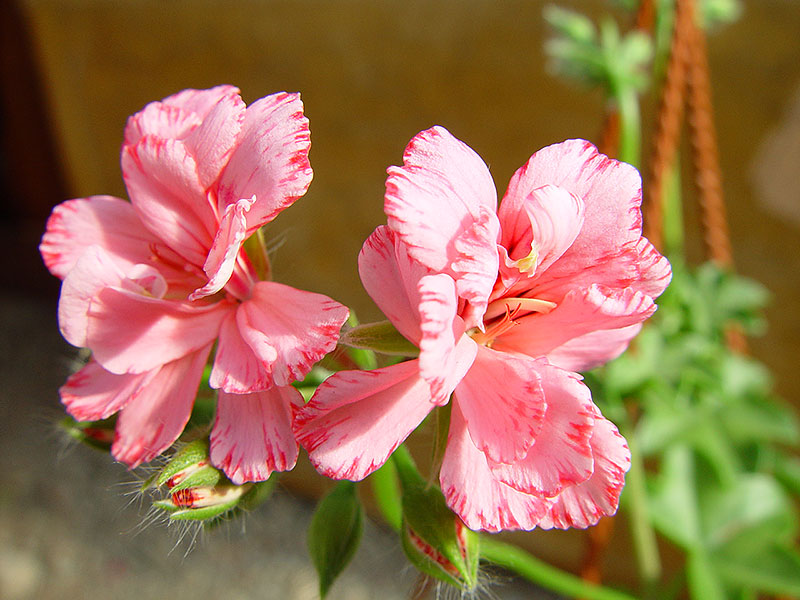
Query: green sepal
(95,434)
(434,539)
(335,533)
(259,493)
(206,476)
(379,337)
(203,514)
(193,453)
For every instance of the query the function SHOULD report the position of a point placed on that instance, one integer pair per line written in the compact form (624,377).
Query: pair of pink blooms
(505,304)
(151,285)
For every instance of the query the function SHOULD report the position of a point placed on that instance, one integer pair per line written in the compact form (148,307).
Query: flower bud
(436,541)
(197,490)
(97,434)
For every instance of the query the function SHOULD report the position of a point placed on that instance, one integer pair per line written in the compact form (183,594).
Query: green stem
(386,491)
(517,560)
(630,134)
(644,538)
(673,211)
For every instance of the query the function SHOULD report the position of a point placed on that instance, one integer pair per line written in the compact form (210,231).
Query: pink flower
(151,285)
(504,304)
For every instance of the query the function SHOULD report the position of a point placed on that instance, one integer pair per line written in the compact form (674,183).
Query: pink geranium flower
(504,305)
(151,285)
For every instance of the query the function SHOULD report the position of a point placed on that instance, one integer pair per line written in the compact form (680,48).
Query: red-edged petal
(213,142)
(289,329)
(537,230)
(164,185)
(157,414)
(223,254)
(502,402)
(593,349)
(580,312)
(439,362)
(104,221)
(356,419)
(611,191)
(584,504)
(442,203)
(561,454)
(236,369)
(132,333)
(391,278)
(270,161)
(475,495)
(93,393)
(175,116)
(252,434)
(93,271)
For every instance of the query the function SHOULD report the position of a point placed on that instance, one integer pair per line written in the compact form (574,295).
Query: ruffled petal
(252,434)
(223,254)
(270,161)
(93,271)
(212,143)
(165,188)
(475,495)
(391,278)
(611,191)
(503,404)
(561,454)
(537,230)
(236,369)
(442,203)
(593,349)
(441,330)
(175,116)
(584,504)
(580,312)
(356,419)
(93,393)
(157,414)
(133,333)
(289,329)
(104,221)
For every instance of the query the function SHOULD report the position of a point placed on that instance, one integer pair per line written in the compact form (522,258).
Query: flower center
(504,314)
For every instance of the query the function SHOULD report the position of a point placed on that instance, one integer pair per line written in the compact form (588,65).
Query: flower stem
(524,564)
(644,538)
(386,491)
(630,135)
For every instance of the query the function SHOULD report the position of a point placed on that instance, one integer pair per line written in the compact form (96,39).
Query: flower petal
(593,349)
(222,257)
(157,414)
(442,203)
(391,277)
(104,221)
(537,230)
(165,188)
(252,434)
(580,312)
(561,454)
(502,402)
(175,116)
(132,333)
(93,393)
(236,369)
(584,504)
(611,191)
(289,329)
(93,271)
(356,419)
(475,495)
(440,364)
(270,161)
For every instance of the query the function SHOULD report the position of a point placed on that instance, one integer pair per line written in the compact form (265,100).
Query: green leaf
(379,337)
(335,533)
(674,499)
(774,570)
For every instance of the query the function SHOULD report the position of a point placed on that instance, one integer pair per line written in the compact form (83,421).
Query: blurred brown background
(372,74)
